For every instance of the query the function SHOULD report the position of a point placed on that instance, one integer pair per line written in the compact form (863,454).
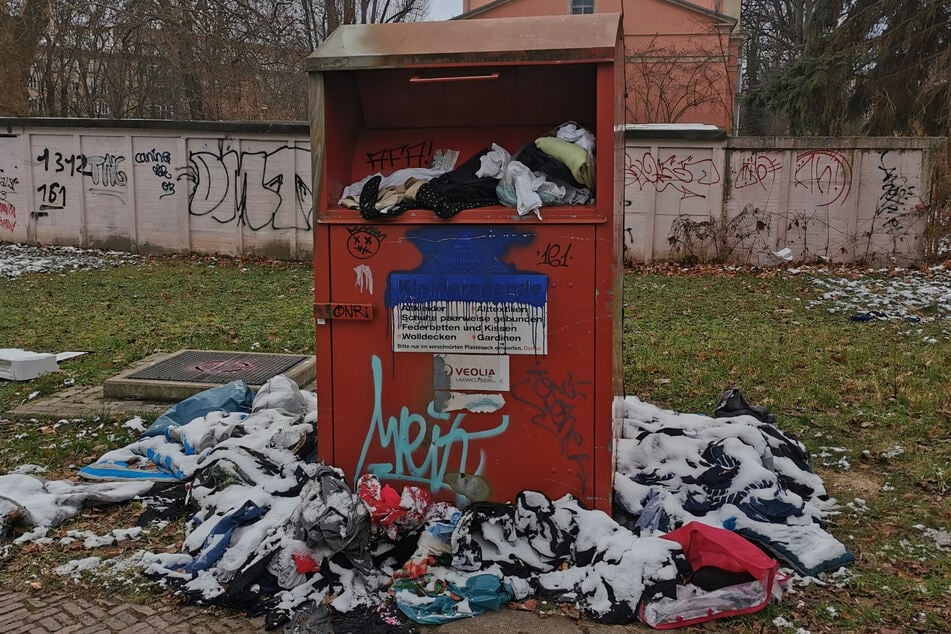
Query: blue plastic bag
(233,397)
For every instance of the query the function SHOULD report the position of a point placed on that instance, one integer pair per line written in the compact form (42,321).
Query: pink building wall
(680,62)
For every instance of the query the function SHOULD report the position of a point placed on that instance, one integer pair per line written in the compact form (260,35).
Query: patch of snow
(20,259)
(29,468)
(77,567)
(906,295)
(893,452)
(135,424)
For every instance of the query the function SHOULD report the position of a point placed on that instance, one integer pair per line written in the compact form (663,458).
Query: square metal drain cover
(202,366)
(175,376)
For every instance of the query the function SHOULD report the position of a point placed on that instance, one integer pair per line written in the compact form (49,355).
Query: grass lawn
(871,400)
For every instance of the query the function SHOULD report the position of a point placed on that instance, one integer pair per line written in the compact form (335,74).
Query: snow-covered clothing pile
(740,472)
(29,501)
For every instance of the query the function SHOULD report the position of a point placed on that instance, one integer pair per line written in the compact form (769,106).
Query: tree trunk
(19,37)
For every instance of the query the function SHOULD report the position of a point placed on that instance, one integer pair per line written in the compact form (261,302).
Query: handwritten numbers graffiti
(52,195)
(555,255)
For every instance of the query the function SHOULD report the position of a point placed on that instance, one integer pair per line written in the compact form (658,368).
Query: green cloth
(578,160)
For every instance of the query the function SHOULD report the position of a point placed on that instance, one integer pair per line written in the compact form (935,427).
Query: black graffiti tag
(554,404)
(401,156)
(555,255)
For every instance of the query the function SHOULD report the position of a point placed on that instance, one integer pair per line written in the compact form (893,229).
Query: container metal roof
(573,38)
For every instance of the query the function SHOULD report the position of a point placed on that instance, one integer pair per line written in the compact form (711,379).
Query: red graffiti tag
(8,216)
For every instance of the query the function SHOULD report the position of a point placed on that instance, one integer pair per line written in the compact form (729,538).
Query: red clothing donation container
(480,355)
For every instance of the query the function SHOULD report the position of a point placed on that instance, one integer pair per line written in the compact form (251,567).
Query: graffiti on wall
(826,174)
(756,169)
(553,404)
(103,171)
(8,211)
(421,445)
(811,220)
(160,162)
(223,181)
(684,174)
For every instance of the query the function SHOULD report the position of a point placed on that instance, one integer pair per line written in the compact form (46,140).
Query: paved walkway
(58,613)
(61,613)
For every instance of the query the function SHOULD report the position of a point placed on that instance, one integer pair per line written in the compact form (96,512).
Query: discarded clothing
(578,160)
(727,576)
(233,397)
(737,471)
(29,501)
(479,594)
(396,514)
(566,552)
(458,190)
(574,133)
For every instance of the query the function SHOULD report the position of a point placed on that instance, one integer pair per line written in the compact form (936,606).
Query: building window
(34,83)
(161,111)
(102,109)
(579,7)
(34,106)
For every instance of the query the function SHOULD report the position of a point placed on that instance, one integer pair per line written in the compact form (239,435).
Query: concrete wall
(744,199)
(246,190)
(242,190)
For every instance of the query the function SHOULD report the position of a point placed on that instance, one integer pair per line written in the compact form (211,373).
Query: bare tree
(192,59)
(21,27)
(671,84)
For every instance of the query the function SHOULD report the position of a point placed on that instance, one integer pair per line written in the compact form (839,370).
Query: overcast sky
(444,9)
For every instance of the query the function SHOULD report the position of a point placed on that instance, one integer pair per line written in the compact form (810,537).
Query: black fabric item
(311,618)
(164,502)
(732,403)
(239,593)
(460,189)
(553,169)
(383,619)
(709,578)
(428,198)
(368,198)
(400,553)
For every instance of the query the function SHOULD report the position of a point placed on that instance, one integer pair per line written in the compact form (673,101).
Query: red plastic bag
(707,547)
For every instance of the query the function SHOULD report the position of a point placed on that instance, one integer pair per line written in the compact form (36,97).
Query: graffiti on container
(553,405)
(756,169)
(364,242)
(401,156)
(686,175)
(248,187)
(421,445)
(160,162)
(826,174)
(555,255)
